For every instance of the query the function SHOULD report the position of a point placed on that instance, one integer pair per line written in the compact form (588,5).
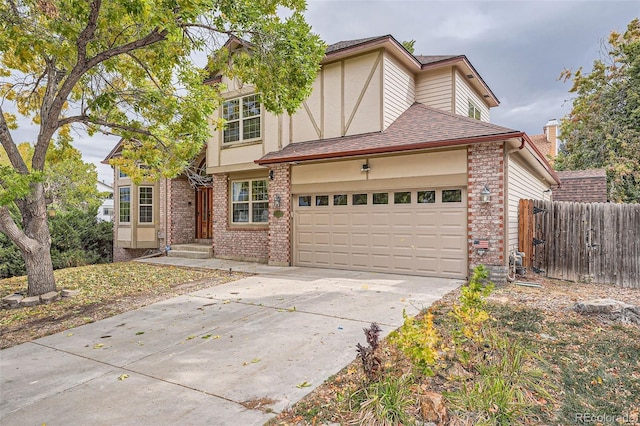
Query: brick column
(485,165)
(220,210)
(280,216)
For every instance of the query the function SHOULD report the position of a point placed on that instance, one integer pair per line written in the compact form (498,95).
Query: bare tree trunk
(39,270)
(34,240)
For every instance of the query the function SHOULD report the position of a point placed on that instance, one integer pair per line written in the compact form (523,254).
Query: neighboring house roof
(419,127)
(542,143)
(581,174)
(586,186)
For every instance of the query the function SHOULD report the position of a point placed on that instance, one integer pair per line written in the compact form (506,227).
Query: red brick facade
(485,165)
(182,208)
(229,242)
(280,216)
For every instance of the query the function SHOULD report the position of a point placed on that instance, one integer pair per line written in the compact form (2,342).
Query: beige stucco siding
(435,89)
(464,94)
(134,234)
(432,168)
(522,183)
(399,90)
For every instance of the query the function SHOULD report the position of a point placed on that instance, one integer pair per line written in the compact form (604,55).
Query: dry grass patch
(104,290)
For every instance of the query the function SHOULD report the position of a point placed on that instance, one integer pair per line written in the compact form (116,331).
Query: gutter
(391,149)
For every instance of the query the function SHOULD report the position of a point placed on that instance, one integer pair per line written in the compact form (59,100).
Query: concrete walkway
(233,354)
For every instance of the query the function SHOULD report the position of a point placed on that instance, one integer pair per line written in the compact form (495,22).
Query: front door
(204,213)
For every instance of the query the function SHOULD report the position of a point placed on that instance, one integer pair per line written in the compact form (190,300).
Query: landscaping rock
(30,301)
(70,293)
(49,297)
(13,300)
(611,309)
(432,408)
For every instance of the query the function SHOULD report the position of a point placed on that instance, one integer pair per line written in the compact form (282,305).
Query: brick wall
(485,163)
(280,227)
(182,211)
(251,244)
(125,254)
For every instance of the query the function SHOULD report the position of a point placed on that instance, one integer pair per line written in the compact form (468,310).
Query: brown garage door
(413,231)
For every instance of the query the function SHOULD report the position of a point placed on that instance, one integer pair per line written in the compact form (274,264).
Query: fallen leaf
(191,337)
(139,333)
(255,360)
(123,377)
(292,309)
(206,336)
(98,345)
(304,384)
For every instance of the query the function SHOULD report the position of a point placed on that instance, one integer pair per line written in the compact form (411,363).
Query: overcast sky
(518,47)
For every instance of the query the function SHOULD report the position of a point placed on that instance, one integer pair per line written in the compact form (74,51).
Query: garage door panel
(340,219)
(380,219)
(402,241)
(424,239)
(340,239)
(322,239)
(429,241)
(451,266)
(360,240)
(340,259)
(380,241)
(452,242)
(360,260)
(321,219)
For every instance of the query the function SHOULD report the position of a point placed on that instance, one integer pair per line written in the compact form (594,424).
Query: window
(340,200)
(304,200)
(125,205)
(107,211)
(381,198)
(452,196)
(426,197)
(242,117)
(402,198)
(145,205)
(250,201)
(359,199)
(122,174)
(322,200)
(474,111)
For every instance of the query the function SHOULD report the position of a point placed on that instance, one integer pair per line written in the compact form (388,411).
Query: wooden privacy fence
(586,242)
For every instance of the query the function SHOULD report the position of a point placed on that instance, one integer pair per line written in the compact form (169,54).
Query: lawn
(104,290)
(531,361)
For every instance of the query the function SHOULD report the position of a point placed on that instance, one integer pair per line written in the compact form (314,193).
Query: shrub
(418,339)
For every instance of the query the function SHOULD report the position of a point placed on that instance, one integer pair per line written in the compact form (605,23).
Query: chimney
(551,132)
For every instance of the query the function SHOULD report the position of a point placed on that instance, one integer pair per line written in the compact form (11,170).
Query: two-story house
(390,165)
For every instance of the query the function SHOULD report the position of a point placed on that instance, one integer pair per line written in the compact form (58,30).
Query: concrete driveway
(231,354)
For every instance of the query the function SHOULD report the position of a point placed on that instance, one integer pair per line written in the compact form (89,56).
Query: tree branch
(10,147)
(10,229)
(89,31)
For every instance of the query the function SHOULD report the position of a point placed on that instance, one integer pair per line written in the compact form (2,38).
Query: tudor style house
(391,165)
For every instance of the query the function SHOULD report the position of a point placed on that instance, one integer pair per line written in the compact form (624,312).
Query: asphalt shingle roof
(417,128)
(349,43)
(430,59)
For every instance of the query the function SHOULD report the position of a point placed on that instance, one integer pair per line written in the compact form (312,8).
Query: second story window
(242,117)
(145,206)
(474,111)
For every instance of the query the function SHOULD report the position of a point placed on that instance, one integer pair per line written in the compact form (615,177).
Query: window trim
(120,204)
(140,205)
(250,202)
(474,111)
(240,120)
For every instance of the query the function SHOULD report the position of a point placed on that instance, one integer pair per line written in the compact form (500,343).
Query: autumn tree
(126,68)
(603,128)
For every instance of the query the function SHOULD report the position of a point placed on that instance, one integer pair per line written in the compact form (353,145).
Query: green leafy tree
(409,45)
(603,128)
(125,67)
